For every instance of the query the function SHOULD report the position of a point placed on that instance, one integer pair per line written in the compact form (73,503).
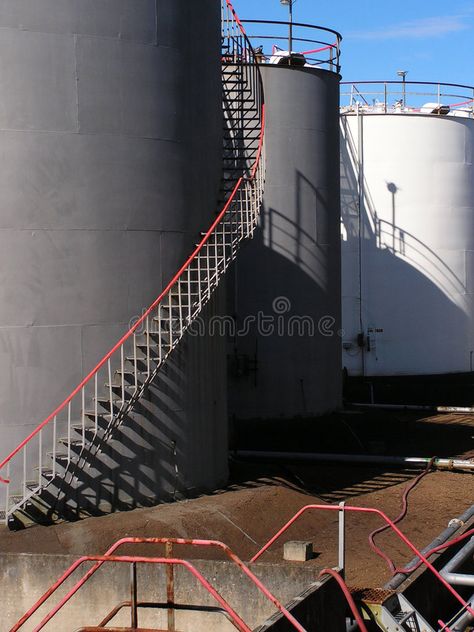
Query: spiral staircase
(39,477)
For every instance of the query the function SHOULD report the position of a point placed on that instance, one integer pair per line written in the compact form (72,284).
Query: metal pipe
(342,540)
(360,209)
(447,534)
(447,464)
(133,595)
(436,409)
(461,623)
(351,626)
(459,579)
(290,34)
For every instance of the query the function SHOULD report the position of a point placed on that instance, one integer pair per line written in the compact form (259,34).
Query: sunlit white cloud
(416,29)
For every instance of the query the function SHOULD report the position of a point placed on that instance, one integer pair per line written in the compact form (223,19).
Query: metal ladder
(397,614)
(38,478)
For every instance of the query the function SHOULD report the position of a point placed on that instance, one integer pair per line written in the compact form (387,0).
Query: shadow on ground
(375,433)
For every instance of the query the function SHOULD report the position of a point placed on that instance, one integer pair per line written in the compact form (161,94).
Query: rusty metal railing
(169,543)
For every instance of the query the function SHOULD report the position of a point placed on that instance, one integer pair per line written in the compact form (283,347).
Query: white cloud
(418,29)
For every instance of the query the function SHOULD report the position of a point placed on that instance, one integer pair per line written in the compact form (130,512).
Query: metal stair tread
(87,427)
(62,456)
(124,386)
(104,399)
(30,484)
(70,441)
(131,372)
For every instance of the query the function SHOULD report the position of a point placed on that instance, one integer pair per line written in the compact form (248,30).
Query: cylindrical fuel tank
(408,243)
(286,348)
(106,111)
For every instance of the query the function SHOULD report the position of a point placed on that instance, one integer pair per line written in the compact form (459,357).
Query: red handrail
(238,622)
(391,524)
(124,338)
(347,595)
(457,105)
(411,569)
(153,306)
(319,50)
(236,17)
(178,541)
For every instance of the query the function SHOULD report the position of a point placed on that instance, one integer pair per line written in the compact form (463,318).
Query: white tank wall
(416,252)
(106,110)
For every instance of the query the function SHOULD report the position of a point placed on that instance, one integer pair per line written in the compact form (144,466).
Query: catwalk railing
(409,97)
(311,45)
(87,416)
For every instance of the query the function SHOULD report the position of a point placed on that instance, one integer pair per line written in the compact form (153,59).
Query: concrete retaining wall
(24,578)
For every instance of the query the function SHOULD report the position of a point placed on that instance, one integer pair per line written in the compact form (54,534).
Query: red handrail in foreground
(392,525)
(177,541)
(347,595)
(236,620)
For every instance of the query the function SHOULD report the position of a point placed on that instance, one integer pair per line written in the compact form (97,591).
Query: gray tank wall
(106,111)
(294,369)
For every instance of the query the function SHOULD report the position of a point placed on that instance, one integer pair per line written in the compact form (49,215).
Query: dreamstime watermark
(280,322)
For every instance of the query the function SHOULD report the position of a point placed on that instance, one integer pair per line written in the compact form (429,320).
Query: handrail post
(133,596)
(385,97)
(170,597)
(7,495)
(342,539)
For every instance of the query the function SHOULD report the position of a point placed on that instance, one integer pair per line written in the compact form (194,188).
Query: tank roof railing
(318,46)
(407,97)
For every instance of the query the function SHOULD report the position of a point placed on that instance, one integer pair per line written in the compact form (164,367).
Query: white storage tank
(407,229)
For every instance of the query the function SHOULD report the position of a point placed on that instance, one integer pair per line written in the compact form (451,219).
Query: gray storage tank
(285,350)
(106,111)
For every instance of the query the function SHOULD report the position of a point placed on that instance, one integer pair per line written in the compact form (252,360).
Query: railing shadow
(420,285)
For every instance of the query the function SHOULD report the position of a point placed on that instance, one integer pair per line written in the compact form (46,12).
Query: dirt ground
(262,497)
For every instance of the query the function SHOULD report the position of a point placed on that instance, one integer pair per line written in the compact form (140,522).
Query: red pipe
(446,545)
(347,595)
(410,487)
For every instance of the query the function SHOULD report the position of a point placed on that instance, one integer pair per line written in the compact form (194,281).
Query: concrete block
(297,551)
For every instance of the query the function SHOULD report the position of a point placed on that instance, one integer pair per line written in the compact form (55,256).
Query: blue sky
(432,39)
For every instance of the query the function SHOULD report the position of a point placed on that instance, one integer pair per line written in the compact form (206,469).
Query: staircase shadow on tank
(138,465)
(417,276)
(296,367)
